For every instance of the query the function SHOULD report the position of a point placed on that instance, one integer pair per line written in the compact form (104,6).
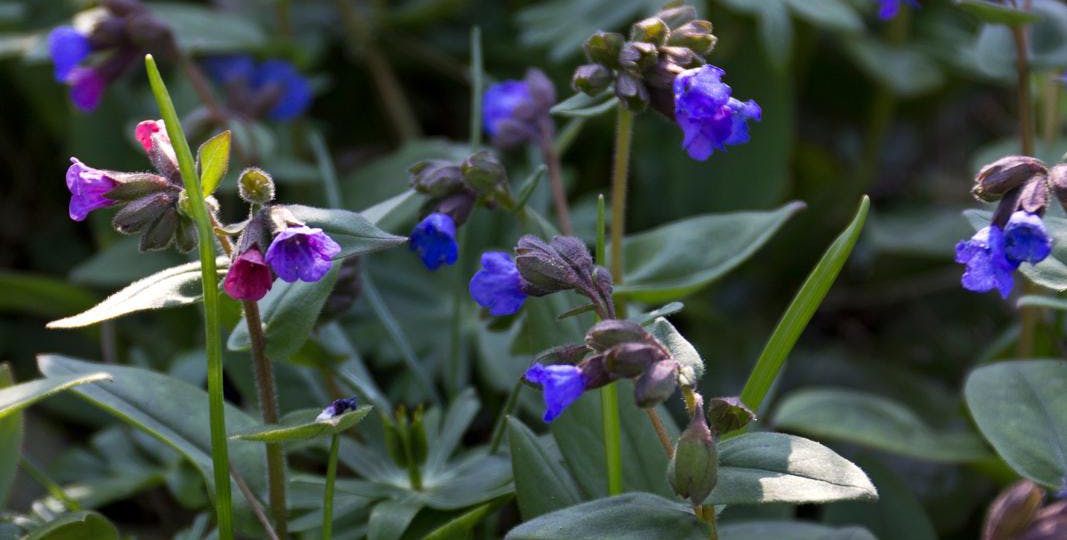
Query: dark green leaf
(834,15)
(996,13)
(15,398)
(40,295)
(121,263)
(896,514)
(200,29)
(76,526)
(773,467)
(791,530)
(905,70)
(563,25)
(582,105)
(355,233)
(877,422)
(301,425)
(679,258)
(462,525)
(173,287)
(10,439)
(542,485)
(1020,406)
(631,516)
(214,159)
(389,519)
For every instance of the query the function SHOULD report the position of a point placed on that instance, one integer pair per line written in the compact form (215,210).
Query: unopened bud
(595,373)
(637,56)
(133,186)
(484,173)
(255,186)
(591,79)
(631,92)
(542,91)
(161,232)
(563,354)
(1003,175)
(728,414)
(631,359)
(1057,180)
(694,468)
(185,238)
(651,30)
(139,214)
(1012,511)
(542,268)
(656,384)
(677,16)
(1034,196)
(695,36)
(603,48)
(457,206)
(610,332)
(436,177)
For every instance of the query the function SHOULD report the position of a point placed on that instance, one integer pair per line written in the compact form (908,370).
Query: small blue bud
(68,47)
(987,266)
(434,239)
(561,385)
(1025,238)
(337,408)
(498,286)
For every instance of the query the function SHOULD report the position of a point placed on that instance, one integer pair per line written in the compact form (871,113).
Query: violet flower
(710,119)
(890,8)
(88,187)
(987,265)
(302,253)
(337,408)
(498,286)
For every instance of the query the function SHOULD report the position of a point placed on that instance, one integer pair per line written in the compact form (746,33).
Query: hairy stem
(661,431)
(1028,315)
(620,170)
(327,496)
(253,503)
(555,178)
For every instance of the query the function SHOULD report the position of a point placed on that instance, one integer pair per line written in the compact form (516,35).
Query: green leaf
(1020,406)
(692,365)
(173,411)
(199,29)
(563,25)
(10,439)
(631,516)
(289,312)
(15,398)
(542,485)
(791,530)
(389,519)
(41,295)
(173,287)
(301,425)
(121,263)
(679,258)
(1035,300)
(993,53)
(874,421)
(76,526)
(214,159)
(906,70)
(462,525)
(356,234)
(800,311)
(996,13)
(774,467)
(896,514)
(582,105)
(833,15)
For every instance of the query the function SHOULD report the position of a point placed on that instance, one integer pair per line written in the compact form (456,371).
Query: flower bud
(542,269)
(542,91)
(563,354)
(610,332)
(161,232)
(677,16)
(637,56)
(603,48)
(457,206)
(728,414)
(436,177)
(595,372)
(185,238)
(695,36)
(591,79)
(1012,511)
(1057,180)
(656,384)
(631,92)
(1004,175)
(139,214)
(255,186)
(631,359)
(133,186)
(694,468)
(485,174)
(146,31)
(1034,196)
(651,30)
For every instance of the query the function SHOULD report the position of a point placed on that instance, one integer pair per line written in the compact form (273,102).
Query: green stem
(48,484)
(476,88)
(620,169)
(609,405)
(327,497)
(1028,315)
(509,405)
(455,371)
(710,518)
(209,280)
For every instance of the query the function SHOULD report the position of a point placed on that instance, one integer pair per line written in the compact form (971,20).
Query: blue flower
(434,238)
(889,8)
(302,253)
(710,119)
(497,285)
(294,89)
(987,265)
(236,68)
(68,48)
(1025,238)
(337,408)
(501,101)
(86,87)
(561,384)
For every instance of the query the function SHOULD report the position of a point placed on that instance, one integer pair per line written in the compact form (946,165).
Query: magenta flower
(302,253)
(146,129)
(249,277)
(88,187)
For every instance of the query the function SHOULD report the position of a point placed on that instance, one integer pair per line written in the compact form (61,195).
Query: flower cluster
(273,88)
(709,117)
(452,190)
(515,112)
(87,60)
(1016,233)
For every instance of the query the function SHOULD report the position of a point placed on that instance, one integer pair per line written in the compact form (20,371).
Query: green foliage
(10,439)
(213,159)
(76,526)
(302,425)
(542,485)
(631,516)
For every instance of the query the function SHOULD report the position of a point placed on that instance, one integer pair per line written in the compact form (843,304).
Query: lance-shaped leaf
(75,526)
(15,398)
(302,425)
(631,516)
(10,439)
(173,287)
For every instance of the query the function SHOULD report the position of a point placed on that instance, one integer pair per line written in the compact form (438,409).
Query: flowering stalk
(209,281)
(1028,315)
(555,178)
(609,394)
(327,497)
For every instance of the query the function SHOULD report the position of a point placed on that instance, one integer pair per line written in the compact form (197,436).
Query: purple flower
(337,408)
(987,266)
(302,253)
(249,277)
(273,83)
(231,69)
(86,87)
(710,119)
(1025,238)
(68,48)
(434,238)
(497,285)
(561,384)
(890,8)
(500,102)
(294,91)
(87,189)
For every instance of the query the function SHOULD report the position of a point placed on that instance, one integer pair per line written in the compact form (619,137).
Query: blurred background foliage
(905,110)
